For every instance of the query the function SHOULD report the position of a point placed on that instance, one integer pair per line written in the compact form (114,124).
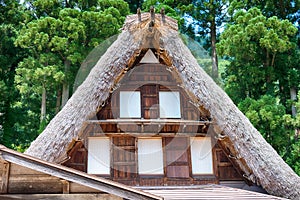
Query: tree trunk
(214,57)
(58,100)
(268,75)
(65,94)
(66,85)
(293,94)
(43,105)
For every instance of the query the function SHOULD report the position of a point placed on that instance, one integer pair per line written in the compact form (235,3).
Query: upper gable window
(130,104)
(169,105)
(149,57)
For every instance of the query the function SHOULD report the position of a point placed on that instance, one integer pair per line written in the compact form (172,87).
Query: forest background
(254,55)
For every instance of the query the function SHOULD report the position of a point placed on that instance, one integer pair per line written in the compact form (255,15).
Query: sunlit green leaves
(59,36)
(266,115)
(32,75)
(270,34)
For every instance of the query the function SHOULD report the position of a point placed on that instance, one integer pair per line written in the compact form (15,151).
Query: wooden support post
(5,177)
(66,187)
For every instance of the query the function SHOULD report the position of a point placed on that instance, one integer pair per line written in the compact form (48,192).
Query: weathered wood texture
(207,192)
(259,161)
(31,175)
(23,180)
(149,80)
(77,157)
(60,197)
(4,171)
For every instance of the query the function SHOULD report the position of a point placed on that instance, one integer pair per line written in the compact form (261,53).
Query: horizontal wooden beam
(75,176)
(149,121)
(137,134)
(60,196)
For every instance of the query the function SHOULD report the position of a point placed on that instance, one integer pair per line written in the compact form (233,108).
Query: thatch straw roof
(254,156)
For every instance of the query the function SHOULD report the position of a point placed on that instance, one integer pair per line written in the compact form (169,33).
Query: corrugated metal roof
(211,192)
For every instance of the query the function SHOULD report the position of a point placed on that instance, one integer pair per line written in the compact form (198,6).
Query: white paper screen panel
(98,155)
(169,105)
(201,150)
(150,156)
(130,104)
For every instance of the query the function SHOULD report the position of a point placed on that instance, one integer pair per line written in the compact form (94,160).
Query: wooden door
(124,165)
(177,156)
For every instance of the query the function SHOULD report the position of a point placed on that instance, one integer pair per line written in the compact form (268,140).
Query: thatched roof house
(128,59)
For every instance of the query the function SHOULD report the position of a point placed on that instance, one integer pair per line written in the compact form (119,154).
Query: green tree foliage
(207,17)
(281,130)
(266,114)
(263,74)
(57,36)
(284,9)
(253,42)
(134,5)
(11,15)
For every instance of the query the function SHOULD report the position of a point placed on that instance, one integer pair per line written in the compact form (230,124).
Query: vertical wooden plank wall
(149,79)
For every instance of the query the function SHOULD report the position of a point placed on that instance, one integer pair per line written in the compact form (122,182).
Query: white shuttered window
(169,105)
(98,155)
(150,156)
(201,153)
(130,104)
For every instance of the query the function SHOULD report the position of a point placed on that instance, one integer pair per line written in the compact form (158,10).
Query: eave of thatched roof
(252,154)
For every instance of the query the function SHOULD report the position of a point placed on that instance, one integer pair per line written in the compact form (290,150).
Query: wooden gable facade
(160,114)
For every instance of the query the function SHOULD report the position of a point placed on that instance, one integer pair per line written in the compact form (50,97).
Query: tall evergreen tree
(208,16)
(58,36)
(11,17)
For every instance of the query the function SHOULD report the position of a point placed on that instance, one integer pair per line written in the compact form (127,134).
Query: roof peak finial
(139,15)
(162,12)
(152,13)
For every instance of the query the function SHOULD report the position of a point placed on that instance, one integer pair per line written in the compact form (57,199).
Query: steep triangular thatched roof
(254,156)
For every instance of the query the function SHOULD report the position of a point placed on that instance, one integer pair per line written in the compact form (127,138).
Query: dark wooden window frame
(165,164)
(144,95)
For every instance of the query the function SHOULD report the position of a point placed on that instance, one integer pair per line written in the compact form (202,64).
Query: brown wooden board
(60,197)
(124,163)
(32,176)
